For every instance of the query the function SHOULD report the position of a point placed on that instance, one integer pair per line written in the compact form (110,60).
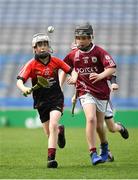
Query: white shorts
(109,111)
(89,99)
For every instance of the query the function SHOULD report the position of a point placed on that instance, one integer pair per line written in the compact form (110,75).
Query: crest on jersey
(47,72)
(94,59)
(107,57)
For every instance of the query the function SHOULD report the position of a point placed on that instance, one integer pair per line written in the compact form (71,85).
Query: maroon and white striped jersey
(85,63)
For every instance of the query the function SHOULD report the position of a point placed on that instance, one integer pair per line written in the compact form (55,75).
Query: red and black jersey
(85,63)
(33,68)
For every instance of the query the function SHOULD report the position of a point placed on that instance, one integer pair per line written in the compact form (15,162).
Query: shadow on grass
(83,170)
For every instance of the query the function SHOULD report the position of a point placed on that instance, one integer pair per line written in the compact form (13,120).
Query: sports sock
(51,153)
(92,150)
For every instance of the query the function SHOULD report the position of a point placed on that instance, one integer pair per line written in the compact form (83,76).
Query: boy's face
(83,41)
(41,47)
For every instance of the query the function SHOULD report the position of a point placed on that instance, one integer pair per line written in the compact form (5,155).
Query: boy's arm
(70,79)
(114,85)
(106,73)
(62,78)
(22,87)
(73,78)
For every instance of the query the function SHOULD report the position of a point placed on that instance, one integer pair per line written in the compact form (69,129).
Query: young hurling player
(93,65)
(111,124)
(109,120)
(48,101)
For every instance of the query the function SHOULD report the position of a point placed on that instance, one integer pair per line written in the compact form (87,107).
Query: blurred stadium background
(115,24)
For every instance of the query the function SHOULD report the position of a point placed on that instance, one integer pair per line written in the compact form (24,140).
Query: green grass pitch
(23,155)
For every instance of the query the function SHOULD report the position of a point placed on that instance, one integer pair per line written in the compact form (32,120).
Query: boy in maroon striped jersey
(109,120)
(93,65)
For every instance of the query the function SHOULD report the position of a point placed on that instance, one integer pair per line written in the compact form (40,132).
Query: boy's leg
(124,132)
(53,137)
(91,123)
(102,135)
(117,127)
(112,125)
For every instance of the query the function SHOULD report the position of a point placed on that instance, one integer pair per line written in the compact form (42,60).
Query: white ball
(50,29)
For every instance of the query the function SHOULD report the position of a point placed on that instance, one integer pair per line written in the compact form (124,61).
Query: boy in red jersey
(48,101)
(93,65)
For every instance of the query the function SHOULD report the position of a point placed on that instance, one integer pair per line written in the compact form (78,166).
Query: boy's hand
(26,91)
(114,87)
(95,77)
(73,99)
